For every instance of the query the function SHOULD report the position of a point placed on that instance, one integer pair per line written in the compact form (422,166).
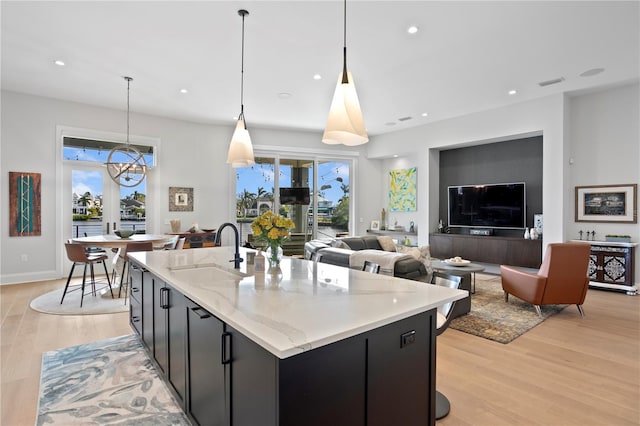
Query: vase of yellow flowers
(274,230)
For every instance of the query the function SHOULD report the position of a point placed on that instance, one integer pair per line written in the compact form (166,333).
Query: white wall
(421,145)
(599,131)
(190,155)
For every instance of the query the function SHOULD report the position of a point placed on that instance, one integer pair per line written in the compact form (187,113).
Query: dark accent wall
(510,161)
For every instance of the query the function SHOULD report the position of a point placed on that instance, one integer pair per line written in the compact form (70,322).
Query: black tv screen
(490,206)
(294,196)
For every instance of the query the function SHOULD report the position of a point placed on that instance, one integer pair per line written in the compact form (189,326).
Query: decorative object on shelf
(527,235)
(345,124)
(533,234)
(580,233)
(240,149)
(180,199)
(175,225)
(407,241)
(607,203)
(383,220)
(274,230)
(375,225)
(440,226)
(617,238)
(412,227)
(402,190)
(537,223)
(24,204)
(125,164)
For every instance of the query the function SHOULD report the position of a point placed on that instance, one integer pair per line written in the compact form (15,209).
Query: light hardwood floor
(568,370)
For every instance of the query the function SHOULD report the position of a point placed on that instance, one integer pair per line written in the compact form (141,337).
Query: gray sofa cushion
(405,268)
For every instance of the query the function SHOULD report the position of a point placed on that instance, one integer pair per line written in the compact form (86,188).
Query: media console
(488,249)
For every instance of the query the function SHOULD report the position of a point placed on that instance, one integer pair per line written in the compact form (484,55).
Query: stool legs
(68,280)
(84,280)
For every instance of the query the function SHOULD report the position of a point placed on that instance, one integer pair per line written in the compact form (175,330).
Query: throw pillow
(425,258)
(413,251)
(386,243)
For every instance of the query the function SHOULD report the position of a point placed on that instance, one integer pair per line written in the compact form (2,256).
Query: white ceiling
(465,57)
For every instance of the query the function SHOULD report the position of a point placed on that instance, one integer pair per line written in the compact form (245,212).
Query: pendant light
(125,164)
(345,124)
(240,149)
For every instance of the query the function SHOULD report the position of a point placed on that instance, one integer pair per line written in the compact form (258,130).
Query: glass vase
(274,255)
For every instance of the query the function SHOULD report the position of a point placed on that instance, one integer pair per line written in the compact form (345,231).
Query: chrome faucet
(236,258)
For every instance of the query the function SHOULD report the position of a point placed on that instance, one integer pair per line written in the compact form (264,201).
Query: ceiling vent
(550,82)
(404,118)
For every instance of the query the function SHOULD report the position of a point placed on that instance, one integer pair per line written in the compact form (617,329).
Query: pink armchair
(561,279)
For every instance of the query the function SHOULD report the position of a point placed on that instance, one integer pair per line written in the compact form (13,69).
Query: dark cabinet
(136,316)
(611,266)
(487,249)
(169,325)
(207,372)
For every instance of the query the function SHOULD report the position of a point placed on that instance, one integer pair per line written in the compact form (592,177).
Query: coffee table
(440,265)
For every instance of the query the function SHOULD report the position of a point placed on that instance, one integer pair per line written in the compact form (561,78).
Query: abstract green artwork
(24,204)
(402,190)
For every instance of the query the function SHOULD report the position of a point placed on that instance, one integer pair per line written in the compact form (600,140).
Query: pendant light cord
(128,85)
(345,78)
(242,13)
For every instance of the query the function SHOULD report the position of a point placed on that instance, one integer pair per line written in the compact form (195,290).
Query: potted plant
(612,238)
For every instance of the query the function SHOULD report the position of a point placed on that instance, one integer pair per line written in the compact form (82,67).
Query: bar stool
(77,254)
(372,267)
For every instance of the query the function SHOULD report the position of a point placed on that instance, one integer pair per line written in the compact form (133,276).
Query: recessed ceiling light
(412,29)
(389,123)
(317,77)
(284,95)
(513,92)
(592,72)
(424,114)
(59,63)
(395,155)
(184,91)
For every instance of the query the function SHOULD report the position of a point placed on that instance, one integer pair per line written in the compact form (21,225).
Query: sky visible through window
(84,181)
(262,175)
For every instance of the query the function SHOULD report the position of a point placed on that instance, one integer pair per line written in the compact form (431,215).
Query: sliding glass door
(296,188)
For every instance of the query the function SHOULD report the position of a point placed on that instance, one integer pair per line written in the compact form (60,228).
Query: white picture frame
(375,225)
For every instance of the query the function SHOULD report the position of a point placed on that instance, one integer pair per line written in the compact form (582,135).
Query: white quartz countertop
(303,306)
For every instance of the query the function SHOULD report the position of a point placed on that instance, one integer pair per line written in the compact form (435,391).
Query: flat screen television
(500,205)
(294,196)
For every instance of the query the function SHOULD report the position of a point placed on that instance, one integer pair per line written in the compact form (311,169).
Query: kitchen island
(307,344)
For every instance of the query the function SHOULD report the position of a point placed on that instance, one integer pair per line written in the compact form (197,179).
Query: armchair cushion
(527,286)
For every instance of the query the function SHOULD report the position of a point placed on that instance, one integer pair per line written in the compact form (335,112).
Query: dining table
(113,241)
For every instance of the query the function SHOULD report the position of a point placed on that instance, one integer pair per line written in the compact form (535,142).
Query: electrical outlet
(24,258)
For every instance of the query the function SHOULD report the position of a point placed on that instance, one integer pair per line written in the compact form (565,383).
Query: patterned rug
(111,381)
(493,319)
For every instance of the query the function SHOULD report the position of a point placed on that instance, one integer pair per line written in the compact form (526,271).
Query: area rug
(111,381)
(494,319)
(102,303)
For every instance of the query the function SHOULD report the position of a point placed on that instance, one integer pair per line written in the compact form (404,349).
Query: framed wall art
(607,203)
(24,204)
(180,199)
(402,190)
(375,225)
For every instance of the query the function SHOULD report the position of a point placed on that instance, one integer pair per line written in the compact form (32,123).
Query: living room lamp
(125,164)
(345,124)
(240,149)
